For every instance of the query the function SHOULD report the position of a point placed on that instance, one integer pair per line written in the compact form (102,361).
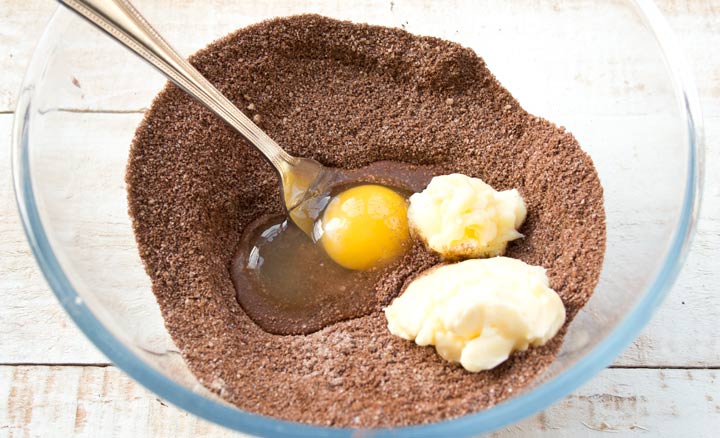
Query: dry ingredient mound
(346,95)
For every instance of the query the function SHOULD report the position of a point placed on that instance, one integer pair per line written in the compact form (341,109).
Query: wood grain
(53,401)
(50,400)
(93,54)
(31,311)
(65,401)
(696,21)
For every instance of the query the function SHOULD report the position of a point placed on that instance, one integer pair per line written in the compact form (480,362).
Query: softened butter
(477,312)
(462,217)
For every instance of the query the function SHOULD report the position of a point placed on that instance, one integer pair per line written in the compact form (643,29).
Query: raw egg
(365,227)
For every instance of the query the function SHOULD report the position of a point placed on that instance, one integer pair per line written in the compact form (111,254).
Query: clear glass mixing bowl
(609,71)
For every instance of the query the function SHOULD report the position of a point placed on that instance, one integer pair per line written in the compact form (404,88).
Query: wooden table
(53,382)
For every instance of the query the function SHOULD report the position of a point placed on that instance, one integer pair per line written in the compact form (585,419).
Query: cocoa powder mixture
(346,95)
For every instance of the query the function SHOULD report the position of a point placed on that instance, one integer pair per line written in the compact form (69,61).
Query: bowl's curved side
(491,419)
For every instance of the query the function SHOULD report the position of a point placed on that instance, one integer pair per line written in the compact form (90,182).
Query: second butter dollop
(477,312)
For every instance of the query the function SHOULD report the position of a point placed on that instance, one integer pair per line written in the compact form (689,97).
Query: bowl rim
(500,415)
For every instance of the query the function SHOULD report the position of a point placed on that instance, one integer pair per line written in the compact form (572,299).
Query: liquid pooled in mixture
(290,283)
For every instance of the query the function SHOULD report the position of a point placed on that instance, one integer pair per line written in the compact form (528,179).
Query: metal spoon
(302,179)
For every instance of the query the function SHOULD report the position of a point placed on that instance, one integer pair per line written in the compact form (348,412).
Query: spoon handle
(123,22)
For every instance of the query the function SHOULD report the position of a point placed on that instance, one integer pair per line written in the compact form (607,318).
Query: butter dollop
(462,217)
(477,312)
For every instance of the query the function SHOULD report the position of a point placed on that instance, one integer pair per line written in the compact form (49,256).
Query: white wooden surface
(53,382)
(94,401)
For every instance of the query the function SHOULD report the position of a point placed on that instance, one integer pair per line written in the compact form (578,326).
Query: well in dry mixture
(347,95)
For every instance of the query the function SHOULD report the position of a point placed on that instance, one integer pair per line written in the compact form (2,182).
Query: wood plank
(582,76)
(100,401)
(691,311)
(33,325)
(629,403)
(22,25)
(692,305)
(88,402)
(697,26)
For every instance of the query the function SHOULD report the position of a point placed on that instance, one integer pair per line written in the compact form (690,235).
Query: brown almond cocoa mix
(346,95)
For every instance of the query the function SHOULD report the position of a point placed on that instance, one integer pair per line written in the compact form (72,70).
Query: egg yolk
(365,226)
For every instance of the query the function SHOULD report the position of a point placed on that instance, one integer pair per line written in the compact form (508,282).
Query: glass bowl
(611,72)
